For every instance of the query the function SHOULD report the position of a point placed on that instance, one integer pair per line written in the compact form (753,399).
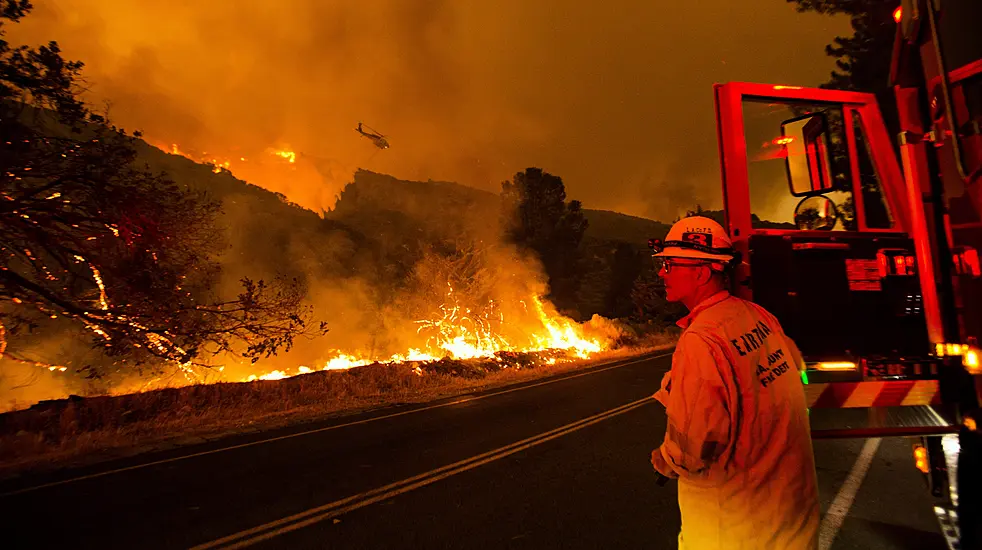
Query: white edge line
(840,506)
(325,429)
(326,511)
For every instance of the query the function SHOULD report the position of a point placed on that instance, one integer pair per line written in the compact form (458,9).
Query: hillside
(614,226)
(433,200)
(426,202)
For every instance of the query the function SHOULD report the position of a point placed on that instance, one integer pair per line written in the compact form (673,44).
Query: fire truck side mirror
(806,147)
(816,213)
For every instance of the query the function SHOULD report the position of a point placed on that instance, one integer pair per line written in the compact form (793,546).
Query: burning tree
(89,237)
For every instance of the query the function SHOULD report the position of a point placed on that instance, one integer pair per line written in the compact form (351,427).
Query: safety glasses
(667,264)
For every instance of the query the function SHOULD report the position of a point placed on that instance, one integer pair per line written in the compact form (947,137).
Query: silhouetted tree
(540,219)
(863,59)
(624,270)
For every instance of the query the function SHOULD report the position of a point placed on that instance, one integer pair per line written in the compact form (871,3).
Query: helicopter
(377,138)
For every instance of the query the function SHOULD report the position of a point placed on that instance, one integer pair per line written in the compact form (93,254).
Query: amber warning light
(969,355)
(971,361)
(920,458)
(842,365)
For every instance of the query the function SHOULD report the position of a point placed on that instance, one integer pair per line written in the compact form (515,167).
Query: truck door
(820,220)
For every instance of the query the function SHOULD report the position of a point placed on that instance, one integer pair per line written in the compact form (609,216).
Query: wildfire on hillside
(222,162)
(455,330)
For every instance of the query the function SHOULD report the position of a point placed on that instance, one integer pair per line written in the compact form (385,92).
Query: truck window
(771,200)
(874,203)
(959,29)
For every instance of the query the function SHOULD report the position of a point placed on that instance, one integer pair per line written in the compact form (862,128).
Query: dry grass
(72,432)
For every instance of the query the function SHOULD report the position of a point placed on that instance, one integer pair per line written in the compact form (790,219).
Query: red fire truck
(876,273)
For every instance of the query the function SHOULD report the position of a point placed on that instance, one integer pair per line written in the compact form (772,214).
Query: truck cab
(815,204)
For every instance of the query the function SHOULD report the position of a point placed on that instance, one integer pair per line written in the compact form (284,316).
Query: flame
(103,302)
(344,361)
(563,334)
(288,155)
(462,333)
(217,164)
(220,164)
(275,375)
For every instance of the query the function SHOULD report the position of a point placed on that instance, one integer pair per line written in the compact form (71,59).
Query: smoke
(408,287)
(50,363)
(23,384)
(385,290)
(616,99)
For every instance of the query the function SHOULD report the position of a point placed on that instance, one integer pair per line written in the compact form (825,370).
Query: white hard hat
(695,237)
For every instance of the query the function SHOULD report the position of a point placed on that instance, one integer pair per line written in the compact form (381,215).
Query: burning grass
(85,430)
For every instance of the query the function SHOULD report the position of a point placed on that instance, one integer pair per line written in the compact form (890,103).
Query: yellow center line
(293,522)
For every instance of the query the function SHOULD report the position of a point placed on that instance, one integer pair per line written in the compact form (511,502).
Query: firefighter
(738,438)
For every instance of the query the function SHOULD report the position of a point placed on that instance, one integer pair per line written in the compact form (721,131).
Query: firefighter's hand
(661,466)
(666,386)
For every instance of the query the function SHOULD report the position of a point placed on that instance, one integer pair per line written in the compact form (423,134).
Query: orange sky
(615,97)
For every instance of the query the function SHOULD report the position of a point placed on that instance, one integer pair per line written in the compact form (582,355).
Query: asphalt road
(559,463)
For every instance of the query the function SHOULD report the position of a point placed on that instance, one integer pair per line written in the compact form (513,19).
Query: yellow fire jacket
(738,437)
